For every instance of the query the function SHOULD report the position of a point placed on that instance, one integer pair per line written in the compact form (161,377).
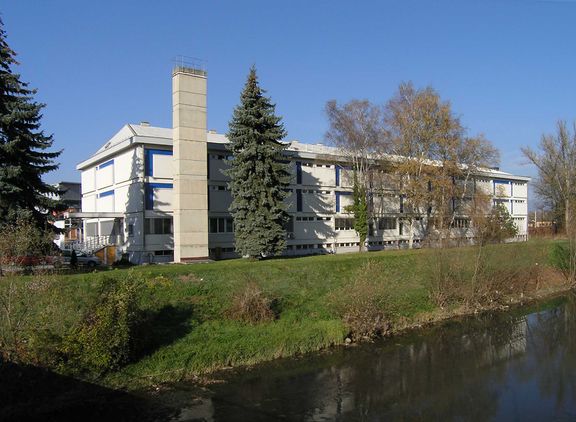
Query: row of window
(221,225)
(157,226)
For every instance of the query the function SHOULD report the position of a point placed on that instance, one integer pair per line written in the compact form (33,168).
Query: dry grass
(365,305)
(251,305)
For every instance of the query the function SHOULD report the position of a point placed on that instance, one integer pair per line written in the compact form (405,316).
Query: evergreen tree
(259,177)
(360,210)
(24,155)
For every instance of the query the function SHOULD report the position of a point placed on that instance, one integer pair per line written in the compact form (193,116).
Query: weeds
(365,305)
(251,305)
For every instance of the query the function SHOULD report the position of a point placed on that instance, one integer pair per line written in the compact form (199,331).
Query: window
(130,230)
(221,225)
(164,253)
(344,224)
(158,226)
(304,218)
(298,172)
(387,223)
(299,200)
(461,223)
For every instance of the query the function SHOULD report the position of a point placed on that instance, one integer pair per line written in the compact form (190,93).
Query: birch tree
(556,183)
(355,128)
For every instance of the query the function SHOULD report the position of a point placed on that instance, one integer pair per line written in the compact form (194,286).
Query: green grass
(190,332)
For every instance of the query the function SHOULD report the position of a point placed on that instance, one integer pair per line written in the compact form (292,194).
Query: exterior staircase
(92,244)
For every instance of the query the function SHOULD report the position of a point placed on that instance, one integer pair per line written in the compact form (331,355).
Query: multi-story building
(160,195)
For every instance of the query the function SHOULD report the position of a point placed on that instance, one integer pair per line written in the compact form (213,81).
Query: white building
(159,194)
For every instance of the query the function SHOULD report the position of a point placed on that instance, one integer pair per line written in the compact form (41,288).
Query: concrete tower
(190,163)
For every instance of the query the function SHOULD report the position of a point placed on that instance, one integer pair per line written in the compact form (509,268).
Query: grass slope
(190,331)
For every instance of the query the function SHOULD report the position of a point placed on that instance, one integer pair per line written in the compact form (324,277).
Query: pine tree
(24,155)
(259,177)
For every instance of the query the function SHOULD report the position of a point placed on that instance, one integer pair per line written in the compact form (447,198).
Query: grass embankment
(204,317)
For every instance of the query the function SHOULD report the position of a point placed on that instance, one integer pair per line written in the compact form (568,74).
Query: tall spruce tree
(259,177)
(24,155)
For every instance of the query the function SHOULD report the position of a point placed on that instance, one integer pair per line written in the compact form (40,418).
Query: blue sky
(507,66)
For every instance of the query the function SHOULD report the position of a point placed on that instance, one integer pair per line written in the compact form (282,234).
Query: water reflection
(495,367)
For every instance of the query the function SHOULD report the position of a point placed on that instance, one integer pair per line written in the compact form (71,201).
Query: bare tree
(356,129)
(433,158)
(556,184)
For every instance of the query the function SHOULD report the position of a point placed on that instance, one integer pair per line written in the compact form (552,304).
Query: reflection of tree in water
(447,374)
(552,360)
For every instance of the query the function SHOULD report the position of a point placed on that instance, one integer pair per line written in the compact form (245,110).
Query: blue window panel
(149,159)
(299,200)
(149,193)
(298,172)
(106,164)
(337,167)
(107,193)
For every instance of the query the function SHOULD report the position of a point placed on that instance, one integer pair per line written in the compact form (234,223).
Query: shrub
(251,305)
(560,257)
(365,304)
(103,341)
(19,304)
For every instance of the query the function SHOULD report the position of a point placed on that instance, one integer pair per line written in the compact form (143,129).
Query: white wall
(520,189)
(318,175)
(89,203)
(126,165)
(318,203)
(314,230)
(520,208)
(163,166)
(220,200)
(88,179)
(502,189)
(163,199)
(104,176)
(216,167)
(105,204)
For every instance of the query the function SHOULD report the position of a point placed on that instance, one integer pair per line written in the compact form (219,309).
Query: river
(519,365)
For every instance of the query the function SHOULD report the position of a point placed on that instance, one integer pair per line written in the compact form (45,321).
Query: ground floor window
(387,223)
(344,224)
(164,253)
(158,226)
(221,225)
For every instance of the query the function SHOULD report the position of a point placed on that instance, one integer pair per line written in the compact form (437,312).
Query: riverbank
(206,317)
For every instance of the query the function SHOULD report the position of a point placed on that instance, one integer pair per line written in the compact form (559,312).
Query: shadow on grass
(29,393)
(159,328)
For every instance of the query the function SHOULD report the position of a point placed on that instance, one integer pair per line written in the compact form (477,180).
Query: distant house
(71,195)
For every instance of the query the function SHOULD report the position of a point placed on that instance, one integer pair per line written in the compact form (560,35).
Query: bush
(560,257)
(448,278)
(103,341)
(365,305)
(251,305)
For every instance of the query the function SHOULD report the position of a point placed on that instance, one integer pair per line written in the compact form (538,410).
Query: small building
(70,193)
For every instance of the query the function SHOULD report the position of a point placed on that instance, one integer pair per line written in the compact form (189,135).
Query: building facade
(159,195)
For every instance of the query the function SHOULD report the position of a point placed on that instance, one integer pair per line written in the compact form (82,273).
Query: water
(514,366)
(506,366)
